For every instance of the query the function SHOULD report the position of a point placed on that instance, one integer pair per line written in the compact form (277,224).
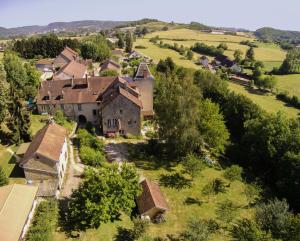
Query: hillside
(277,35)
(74,27)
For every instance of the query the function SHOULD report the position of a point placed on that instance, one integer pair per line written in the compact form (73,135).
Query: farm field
(271,54)
(267,102)
(289,83)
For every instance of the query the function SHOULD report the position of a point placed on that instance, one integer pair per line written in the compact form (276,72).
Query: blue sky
(251,14)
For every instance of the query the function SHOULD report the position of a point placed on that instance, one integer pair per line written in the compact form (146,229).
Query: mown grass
(267,101)
(289,83)
(8,163)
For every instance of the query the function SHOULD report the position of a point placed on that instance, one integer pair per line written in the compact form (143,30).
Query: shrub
(234,173)
(192,165)
(226,211)
(140,47)
(108,73)
(60,117)
(91,157)
(44,222)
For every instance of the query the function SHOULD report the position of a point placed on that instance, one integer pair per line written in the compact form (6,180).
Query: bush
(291,100)
(91,157)
(60,117)
(234,173)
(140,47)
(44,222)
(202,48)
(192,165)
(109,73)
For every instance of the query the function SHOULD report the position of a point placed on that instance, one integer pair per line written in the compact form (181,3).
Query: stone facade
(89,111)
(145,87)
(121,116)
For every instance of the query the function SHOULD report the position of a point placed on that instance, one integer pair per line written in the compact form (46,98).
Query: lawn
(8,163)
(157,54)
(290,83)
(267,101)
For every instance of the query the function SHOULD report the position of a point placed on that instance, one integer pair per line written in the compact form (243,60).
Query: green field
(289,83)
(271,54)
(267,101)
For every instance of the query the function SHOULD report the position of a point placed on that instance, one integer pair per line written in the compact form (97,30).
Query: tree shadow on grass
(191,201)
(123,234)
(150,156)
(175,180)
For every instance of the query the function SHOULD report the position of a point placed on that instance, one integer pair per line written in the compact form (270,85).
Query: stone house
(45,160)
(107,102)
(144,82)
(152,201)
(17,205)
(66,56)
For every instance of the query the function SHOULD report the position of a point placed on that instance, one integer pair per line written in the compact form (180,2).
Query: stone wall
(127,114)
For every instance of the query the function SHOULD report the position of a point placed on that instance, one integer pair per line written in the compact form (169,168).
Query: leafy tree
(129,42)
(233,173)
(193,165)
(189,54)
(196,230)
(291,64)
(32,81)
(247,230)
(294,228)
(95,48)
(238,56)
(212,128)
(109,72)
(91,157)
(4,94)
(3,178)
(121,42)
(15,73)
(274,216)
(202,48)
(177,104)
(257,74)
(250,55)
(166,66)
(60,117)
(103,195)
(223,46)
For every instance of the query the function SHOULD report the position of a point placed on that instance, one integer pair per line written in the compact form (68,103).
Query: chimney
(72,82)
(49,95)
(145,73)
(86,80)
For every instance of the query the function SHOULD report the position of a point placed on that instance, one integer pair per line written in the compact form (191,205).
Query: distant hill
(277,35)
(69,27)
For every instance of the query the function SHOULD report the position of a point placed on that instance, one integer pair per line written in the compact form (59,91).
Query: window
(94,112)
(109,123)
(115,122)
(62,106)
(130,122)
(79,107)
(121,111)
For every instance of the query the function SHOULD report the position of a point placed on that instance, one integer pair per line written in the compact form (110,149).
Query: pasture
(266,101)
(289,83)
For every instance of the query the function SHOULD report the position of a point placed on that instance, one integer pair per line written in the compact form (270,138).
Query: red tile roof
(73,68)
(109,64)
(151,197)
(48,142)
(69,53)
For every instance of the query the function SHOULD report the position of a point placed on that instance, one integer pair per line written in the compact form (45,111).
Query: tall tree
(250,55)
(291,64)
(238,56)
(103,195)
(129,42)
(4,94)
(121,42)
